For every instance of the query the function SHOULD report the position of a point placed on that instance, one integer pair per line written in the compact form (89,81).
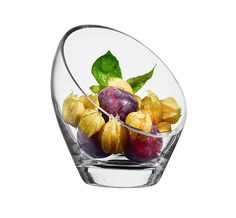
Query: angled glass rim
(157,135)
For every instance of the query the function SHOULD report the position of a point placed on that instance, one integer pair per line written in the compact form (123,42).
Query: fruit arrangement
(99,135)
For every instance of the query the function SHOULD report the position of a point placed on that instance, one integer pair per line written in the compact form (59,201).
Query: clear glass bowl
(71,72)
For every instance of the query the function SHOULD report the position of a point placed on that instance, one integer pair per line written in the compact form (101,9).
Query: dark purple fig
(90,145)
(144,148)
(117,102)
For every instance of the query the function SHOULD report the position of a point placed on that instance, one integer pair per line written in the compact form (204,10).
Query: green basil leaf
(105,67)
(137,82)
(96,88)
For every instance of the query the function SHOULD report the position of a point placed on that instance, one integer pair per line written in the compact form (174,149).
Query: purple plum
(117,102)
(90,145)
(144,148)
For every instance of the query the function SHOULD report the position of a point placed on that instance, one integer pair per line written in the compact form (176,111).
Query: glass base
(116,170)
(118,177)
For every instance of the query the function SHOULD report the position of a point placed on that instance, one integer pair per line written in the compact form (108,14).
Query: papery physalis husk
(171,110)
(140,120)
(120,84)
(139,100)
(91,122)
(87,103)
(163,127)
(113,137)
(72,110)
(151,102)
(150,113)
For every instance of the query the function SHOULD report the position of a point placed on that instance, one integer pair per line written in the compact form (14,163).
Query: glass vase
(133,153)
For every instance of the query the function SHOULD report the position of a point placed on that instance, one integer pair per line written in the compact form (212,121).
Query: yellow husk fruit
(152,103)
(139,100)
(171,110)
(87,103)
(120,84)
(164,127)
(150,113)
(140,120)
(113,137)
(72,110)
(91,122)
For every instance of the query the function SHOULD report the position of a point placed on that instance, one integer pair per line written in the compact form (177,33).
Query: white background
(197,41)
